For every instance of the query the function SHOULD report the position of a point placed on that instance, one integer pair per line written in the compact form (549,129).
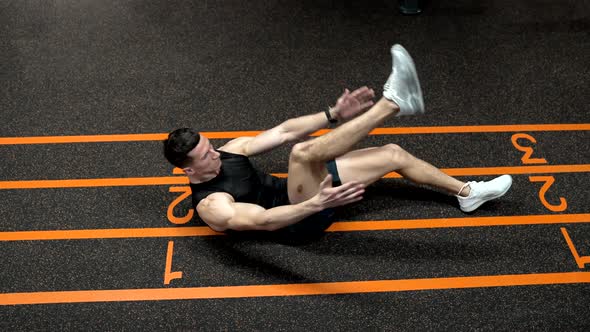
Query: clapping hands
(351,104)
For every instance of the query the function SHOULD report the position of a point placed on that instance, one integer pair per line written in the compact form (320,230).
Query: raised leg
(307,161)
(341,140)
(402,96)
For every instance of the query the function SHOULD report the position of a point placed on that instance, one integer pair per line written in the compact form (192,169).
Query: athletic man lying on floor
(230,194)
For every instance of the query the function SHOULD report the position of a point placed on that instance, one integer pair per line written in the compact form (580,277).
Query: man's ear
(188,171)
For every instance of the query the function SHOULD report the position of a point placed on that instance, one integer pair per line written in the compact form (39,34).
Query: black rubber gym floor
(95,231)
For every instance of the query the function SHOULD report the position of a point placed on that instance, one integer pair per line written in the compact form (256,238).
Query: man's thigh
(304,179)
(366,165)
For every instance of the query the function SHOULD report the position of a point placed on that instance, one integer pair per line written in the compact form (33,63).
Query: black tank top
(239,178)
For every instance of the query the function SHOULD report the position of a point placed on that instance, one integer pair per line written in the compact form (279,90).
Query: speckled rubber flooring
(94,253)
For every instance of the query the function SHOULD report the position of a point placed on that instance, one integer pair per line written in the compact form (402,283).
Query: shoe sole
(406,57)
(474,207)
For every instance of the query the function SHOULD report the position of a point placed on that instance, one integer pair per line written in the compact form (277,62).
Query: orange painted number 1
(580,260)
(168,274)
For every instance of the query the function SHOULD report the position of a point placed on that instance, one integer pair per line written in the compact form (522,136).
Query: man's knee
(301,152)
(396,152)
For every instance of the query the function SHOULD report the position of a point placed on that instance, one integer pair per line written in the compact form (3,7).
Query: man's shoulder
(200,194)
(215,210)
(220,195)
(237,146)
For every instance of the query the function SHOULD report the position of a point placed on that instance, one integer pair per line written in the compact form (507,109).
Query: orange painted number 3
(528,151)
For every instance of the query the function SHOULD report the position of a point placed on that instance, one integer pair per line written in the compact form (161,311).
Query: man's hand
(328,196)
(351,104)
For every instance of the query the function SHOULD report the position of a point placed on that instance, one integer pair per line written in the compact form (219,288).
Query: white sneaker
(482,192)
(403,86)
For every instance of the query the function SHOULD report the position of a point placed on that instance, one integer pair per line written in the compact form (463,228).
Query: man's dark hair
(178,144)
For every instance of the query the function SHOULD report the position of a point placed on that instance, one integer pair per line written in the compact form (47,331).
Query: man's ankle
(465,190)
(390,104)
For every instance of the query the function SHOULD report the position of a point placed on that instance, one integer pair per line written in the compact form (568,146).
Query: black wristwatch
(330,119)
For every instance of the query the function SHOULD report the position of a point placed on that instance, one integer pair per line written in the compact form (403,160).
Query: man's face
(205,160)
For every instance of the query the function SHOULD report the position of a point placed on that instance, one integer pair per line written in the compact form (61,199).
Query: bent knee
(301,152)
(396,152)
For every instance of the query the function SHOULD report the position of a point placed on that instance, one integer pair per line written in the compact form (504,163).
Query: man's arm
(221,212)
(349,105)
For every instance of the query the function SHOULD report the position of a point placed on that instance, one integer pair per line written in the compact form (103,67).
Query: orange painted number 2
(186,192)
(549,180)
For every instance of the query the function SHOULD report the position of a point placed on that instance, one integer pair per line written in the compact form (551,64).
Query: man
(229,194)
